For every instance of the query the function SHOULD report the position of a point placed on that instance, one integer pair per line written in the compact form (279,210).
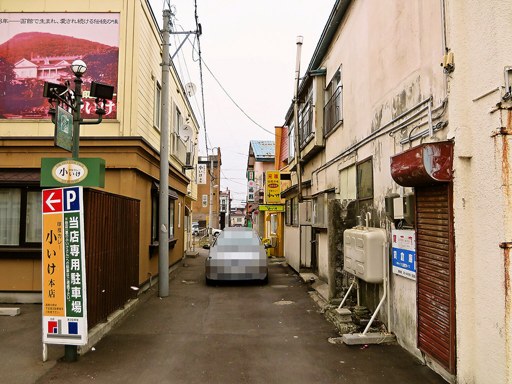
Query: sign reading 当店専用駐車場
(63,267)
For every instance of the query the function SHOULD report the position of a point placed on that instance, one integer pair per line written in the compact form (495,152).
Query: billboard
(39,47)
(273,187)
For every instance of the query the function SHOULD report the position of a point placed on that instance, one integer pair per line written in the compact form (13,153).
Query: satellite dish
(185,132)
(190,89)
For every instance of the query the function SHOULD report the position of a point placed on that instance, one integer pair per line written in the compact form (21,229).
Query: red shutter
(435,274)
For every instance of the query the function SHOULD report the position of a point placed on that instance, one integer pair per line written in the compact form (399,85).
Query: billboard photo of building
(40,47)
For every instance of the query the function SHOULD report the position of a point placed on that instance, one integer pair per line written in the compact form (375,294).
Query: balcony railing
(333,112)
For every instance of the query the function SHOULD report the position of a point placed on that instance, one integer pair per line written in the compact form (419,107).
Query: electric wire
(220,84)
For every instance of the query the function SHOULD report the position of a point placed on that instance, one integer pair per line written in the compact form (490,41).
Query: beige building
(124,49)
(404,126)
(208,187)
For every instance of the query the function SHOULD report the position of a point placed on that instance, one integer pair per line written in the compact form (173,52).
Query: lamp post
(78,67)
(61,94)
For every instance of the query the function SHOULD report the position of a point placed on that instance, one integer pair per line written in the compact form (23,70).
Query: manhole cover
(188,282)
(279,286)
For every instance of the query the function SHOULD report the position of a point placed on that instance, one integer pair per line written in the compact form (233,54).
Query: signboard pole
(64,276)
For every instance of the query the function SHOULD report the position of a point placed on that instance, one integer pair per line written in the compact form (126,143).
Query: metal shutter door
(435,274)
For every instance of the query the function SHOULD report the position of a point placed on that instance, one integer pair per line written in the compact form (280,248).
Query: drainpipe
(296,117)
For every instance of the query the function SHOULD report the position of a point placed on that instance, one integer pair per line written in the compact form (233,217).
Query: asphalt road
(235,333)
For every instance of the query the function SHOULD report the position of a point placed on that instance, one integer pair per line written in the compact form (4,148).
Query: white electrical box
(363,253)
(398,208)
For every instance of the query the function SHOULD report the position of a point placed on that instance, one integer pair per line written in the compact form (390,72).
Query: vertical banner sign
(64,289)
(201,173)
(273,187)
(250,191)
(404,253)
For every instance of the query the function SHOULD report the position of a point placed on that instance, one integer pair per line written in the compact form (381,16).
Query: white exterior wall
(292,247)
(479,35)
(390,53)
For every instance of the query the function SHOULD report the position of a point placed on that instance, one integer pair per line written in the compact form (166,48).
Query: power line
(220,85)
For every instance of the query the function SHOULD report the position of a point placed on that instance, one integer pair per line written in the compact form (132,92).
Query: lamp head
(78,67)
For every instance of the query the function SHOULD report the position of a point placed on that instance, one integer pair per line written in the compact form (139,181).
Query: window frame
(155,209)
(333,108)
(364,201)
(157,108)
(24,249)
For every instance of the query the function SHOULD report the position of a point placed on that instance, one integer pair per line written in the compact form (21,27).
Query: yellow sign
(271,208)
(272,187)
(53,266)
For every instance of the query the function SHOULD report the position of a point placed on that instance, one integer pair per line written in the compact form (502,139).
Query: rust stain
(506,165)
(506,262)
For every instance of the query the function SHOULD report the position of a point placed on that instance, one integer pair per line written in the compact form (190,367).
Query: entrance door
(305,246)
(435,274)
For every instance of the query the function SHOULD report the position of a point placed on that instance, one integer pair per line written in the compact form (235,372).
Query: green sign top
(86,172)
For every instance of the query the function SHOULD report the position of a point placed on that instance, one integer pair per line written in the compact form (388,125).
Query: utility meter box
(363,253)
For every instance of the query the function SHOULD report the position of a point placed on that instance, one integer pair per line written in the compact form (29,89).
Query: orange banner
(53,265)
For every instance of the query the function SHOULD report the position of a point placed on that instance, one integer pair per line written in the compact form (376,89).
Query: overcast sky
(250,47)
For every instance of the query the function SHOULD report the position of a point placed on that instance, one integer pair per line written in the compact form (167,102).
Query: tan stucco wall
(130,171)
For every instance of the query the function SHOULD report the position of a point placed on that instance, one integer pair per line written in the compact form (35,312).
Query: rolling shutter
(435,274)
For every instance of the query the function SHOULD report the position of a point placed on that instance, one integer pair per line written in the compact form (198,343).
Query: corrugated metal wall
(435,274)
(112,252)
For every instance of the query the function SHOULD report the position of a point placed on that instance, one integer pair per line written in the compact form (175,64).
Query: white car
(237,254)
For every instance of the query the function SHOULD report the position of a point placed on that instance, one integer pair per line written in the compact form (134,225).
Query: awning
(172,193)
(20,176)
(426,164)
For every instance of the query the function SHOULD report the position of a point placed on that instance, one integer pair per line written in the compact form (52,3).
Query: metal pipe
(383,296)
(163,214)
(296,117)
(374,134)
(210,213)
(430,127)
(348,292)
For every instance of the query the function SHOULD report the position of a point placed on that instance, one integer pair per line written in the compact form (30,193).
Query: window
(319,208)
(179,120)
(288,216)
(306,120)
(157,111)
(364,183)
(20,217)
(273,224)
(155,209)
(291,142)
(295,211)
(333,111)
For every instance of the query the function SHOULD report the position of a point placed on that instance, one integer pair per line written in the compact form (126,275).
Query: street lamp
(65,114)
(60,94)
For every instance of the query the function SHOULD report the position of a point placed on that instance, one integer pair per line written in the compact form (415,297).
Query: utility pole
(210,217)
(163,215)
